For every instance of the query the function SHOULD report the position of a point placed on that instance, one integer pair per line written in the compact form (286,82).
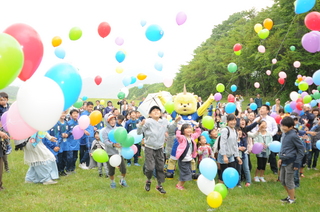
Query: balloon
(56,41)
(102,131)
(134,148)
(294,96)
(287,108)
(296,64)
(222,189)
(268,103)
(84,98)
(232,67)
(303,86)
(154,32)
(120,56)
(299,105)
(126,80)
(95,117)
(168,82)
(261,49)
(275,146)
(78,103)
(60,52)
(208,122)
(303,6)
(30,40)
(141,76)
(133,80)
(273,114)
(257,28)
(11,59)
(312,21)
(234,88)
(268,72)
(84,122)
(169,106)
(316,77)
(111,136)
(253,106)
(307,99)
(214,199)
(292,48)
(69,80)
(104,29)
(311,42)
(158,66)
(230,108)
(293,105)
(102,102)
(208,168)
(75,33)
(121,95)
(98,80)
(137,138)
(217,96)
(100,156)
(263,34)
(303,94)
(120,134)
(268,23)
(206,135)
(140,86)
(257,148)
(77,132)
(230,98)
(143,23)
(281,81)
(115,160)
(282,74)
(40,101)
(181,18)
(278,119)
(160,54)
(313,103)
(220,87)
(206,186)
(4,121)
(119,70)
(274,61)
(128,142)
(318,144)
(125,90)
(237,52)
(127,153)
(17,127)
(119,41)
(309,80)
(230,177)
(256,85)
(237,47)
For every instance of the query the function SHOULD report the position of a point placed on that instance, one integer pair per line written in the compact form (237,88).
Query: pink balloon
(4,121)
(299,76)
(217,97)
(119,41)
(17,127)
(282,74)
(296,64)
(257,148)
(84,122)
(274,61)
(303,94)
(256,85)
(309,80)
(77,132)
(181,18)
(168,82)
(261,49)
(268,72)
(313,91)
(134,148)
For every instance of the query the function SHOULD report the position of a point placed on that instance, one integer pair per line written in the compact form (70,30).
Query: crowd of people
(55,153)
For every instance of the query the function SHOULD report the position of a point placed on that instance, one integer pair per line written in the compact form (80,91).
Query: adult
(133,106)
(309,117)
(258,101)
(124,108)
(98,106)
(144,98)
(120,103)
(109,108)
(199,103)
(276,107)
(115,112)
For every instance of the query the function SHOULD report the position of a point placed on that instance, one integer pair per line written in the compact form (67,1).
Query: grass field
(85,191)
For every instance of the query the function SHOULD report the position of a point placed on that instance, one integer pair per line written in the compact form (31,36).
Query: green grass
(85,191)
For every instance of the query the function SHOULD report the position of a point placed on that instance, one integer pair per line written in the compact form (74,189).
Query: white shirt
(272,126)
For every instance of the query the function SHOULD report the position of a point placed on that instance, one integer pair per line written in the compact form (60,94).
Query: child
(213,134)
(97,144)
(73,145)
(204,150)
(242,146)
(154,129)
(4,107)
(218,122)
(291,154)
(131,124)
(4,141)
(113,149)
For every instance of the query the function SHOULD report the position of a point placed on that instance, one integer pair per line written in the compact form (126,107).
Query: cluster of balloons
(237,49)
(264,33)
(127,80)
(230,106)
(84,121)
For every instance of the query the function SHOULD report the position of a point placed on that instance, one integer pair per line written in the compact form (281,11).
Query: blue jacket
(131,125)
(50,145)
(3,109)
(100,125)
(72,144)
(210,110)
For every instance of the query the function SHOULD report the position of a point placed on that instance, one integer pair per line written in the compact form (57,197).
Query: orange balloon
(300,79)
(268,23)
(141,76)
(95,117)
(56,41)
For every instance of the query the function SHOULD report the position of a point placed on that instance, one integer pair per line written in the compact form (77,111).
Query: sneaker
(315,169)
(112,185)
(179,187)
(148,184)
(256,179)
(285,199)
(63,174)
(308,168)
(302,175)
(100,175)
(275,173)
(291,201)
(129,164)
(239,186)
(123,183)
(84,166)
(50,182)
(247,185)
(137,164)
(262,179)
(161,190)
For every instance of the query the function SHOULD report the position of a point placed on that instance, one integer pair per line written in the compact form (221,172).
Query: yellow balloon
(56,41)
(102,102)
(119,70)
(214,199)
(257,28)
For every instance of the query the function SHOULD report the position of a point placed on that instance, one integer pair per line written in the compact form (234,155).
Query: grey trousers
(154,159)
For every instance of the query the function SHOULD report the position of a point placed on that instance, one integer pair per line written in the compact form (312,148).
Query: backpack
(219,138)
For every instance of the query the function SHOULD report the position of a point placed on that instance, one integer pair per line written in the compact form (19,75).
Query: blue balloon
(154,32)
(69,80)
(296,84)
(133,80)
(160,54)
(158,66)
(313,103)
(303,6)
(230,177)
(137,138)
(143,23)
(60,52)
(100,134)
(234,88)
(318,144)
(208,168)
(287,108)
(230,108)
(301,113)
(120,56)
(253,106)
(126,80)
(111,136)
(316,77)
(127,152)
(300,91)
(275,146)
(84,98)
(140,86)
(206,135)
(268,103)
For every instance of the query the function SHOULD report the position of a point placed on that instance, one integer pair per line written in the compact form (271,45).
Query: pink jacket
(183,142)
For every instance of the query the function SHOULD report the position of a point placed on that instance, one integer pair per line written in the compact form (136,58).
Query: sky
(94,55)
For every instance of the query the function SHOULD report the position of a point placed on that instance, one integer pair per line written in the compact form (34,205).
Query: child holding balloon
(73,144)
(98,144)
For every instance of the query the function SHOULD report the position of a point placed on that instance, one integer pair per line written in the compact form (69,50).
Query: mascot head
(185,103)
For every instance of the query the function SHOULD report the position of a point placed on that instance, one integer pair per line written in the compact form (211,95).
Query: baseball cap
(154,107)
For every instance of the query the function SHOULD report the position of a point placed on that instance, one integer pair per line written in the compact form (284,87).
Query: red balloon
(237,47)
(278,119)
(32,45)
(299,100)
(230,98)
(98,80)
(104,29)
(299,105)
(312,21)
(281,81)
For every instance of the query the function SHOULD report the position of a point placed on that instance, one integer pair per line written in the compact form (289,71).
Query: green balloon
(237,52)
(208,122)
(120,135)
(263,34)
(75,33)
(220,87)
(128,142)
(292,48)
(11,59)
(307,99)
(303,86)
(222,189)
(169,106)
(318,88)
(121,95)
(232,67)
(100,156)
(316,95)
(78,103)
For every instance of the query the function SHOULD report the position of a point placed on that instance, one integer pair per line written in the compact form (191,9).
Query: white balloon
(206,186)
(294,96)
(40,102)
(84,122)
(125,90)
(115,160)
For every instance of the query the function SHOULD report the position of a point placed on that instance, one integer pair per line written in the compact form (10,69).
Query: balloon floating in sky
(133,80)
(158,66)
(98,80)
(257,28)
(303,6)
(119,70)
(120,56)
(119,41)
(126,80)
(75,33)
(160,54)
(143,23)
(60,52)
(181,18)
(168,82)
(154,32)
(56,41)
(311,41)
(268,23)
(263,34)
(141,76)
(232,67)
(104,29)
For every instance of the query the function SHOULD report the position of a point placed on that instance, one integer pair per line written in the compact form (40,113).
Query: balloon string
(280,89)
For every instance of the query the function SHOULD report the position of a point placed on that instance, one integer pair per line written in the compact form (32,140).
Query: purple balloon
(77,132)
(318,34)
(119,41)
(311,42)
(273,114)
(4,120)
(217,96)
(257,148)
(297,111)
(304,94)
(293,105)
(309,80)
(181,18)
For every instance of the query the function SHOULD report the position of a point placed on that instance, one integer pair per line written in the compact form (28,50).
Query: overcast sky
(94,55)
